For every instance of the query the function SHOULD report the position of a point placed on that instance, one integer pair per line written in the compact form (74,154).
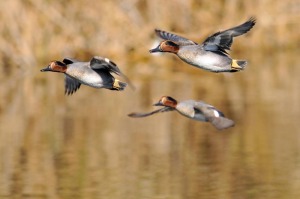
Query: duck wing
(221,122)
(100,63)
(71,85)
(175,38)
(164,109)
(214,116)
(222,40)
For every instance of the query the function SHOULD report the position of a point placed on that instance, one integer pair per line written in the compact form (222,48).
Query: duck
(96,73)
(196,110)
(212,54)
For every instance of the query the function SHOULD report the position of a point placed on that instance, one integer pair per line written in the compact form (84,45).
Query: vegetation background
(84,146)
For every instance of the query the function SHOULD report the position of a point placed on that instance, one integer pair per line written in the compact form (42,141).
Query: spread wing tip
(252,19)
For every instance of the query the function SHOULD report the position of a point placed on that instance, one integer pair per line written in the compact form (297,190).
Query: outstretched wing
(221,122)
(71,85)
(175,38)
(221,41)
(214,116)
(99,63)
(164,109)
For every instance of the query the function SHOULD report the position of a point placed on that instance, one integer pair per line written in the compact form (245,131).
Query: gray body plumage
(207,60)
(95,73)
(196,110)
(82,72)
(211,54)
(201,111)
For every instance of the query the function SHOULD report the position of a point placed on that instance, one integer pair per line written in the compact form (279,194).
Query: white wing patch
(216,113)
(107,60)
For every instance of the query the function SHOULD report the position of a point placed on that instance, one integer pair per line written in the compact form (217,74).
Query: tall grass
(35,31)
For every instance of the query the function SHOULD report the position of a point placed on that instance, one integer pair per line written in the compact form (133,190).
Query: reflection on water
(84,146)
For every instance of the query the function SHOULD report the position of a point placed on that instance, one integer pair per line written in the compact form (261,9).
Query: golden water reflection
(84,146)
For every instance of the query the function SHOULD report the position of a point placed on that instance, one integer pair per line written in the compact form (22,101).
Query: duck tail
(237,65)
(118,85)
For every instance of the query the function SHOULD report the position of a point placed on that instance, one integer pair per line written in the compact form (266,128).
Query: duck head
(166,101)
(166,46)
(55,66)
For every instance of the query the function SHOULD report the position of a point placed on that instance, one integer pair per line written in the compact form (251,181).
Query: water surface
(85,146)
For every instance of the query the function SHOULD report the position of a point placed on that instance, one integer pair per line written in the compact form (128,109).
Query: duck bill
(158,104)
(46,69)
(155,50)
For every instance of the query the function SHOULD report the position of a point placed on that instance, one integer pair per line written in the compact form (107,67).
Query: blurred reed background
(85,146)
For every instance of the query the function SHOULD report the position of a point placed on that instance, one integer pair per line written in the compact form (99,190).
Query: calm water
(84,146)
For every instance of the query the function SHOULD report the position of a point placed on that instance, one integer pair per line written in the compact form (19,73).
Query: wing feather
(71,85)
(100,63)
(214,116)
(222,40)
(175,38)
(164,109)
